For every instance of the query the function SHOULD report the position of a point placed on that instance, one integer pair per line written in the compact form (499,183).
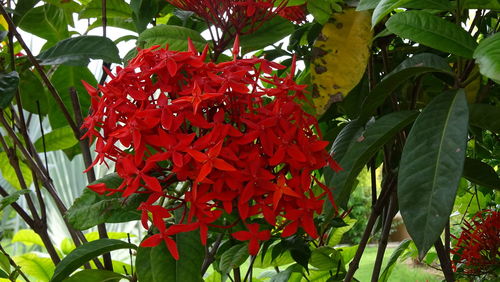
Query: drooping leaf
(299,249)
(270,32)
(143,12)
(384,7)
(175,36)
(57,139)
(432,31)
(338,233)
(12,198)
(63,79)
(326,258)
(234,257)
(92,275)
(481,173)
(384,277)
(416,65)
(91,209)
(85,252)
(28,237)
(22,7)
(8,87)
(485,116)
(38,267)
(339,57)
(431,166)
(48,22)
(487,56)
(32,91)
(114,9)
(77,51)
(362,149)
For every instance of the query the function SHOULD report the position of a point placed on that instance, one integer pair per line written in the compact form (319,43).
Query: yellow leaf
(4,23)
(339,56)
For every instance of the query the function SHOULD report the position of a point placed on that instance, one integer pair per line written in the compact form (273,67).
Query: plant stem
(444,260)
(210,256)
(13,263)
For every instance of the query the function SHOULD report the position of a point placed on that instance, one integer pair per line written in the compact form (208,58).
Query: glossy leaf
(40,268)
(338,232)
(234,257)
(326,258)
(57,139)
(47,21)
(33,91)
(143,12)
(487,56)
(91,209)
(12,198)
(441,5)
(417,65)
(114,9)
(384,277)
(485,116)
(362,149)
(8,87)
(22,7)
(92,275)
(79,50)
(175,36)
(28,237)
(367,5)
(432,31)
(431,166)
(270,32)
(85,252)
(481,173)
(9,174)
(384,7)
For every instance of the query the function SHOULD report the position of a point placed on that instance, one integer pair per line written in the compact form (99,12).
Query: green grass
(402,272)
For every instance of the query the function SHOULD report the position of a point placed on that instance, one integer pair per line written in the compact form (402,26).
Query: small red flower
(254,236)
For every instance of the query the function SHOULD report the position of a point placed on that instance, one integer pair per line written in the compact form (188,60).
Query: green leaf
(92,275)
(487,56)
(432,31)
(430,167)
(367,5)
(37,267)
(338,233)
(12,198)
(79,50)
(175,36)
(33,91)
(28,237)
(22,7)
(156,264)
(114,9)
(85,252)
(233,258)
(270,32)
(143,12)
(57,139)
(9,174)
(384,277)
(48,22)
(91,209)
(326,258)
(485,116)
(481,4)
(323,9)
(481,173)
(126,24)
(8,87)
(383,8)
(299,249)
(362,149)
(63,79)
(4,263)
(417,65)
(3,274)
(441,5)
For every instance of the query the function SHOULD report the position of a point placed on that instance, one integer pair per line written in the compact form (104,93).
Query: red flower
(296,14)
(254,236)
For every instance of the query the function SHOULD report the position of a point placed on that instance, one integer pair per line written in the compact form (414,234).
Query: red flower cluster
(296,14)
(477,248)
(231,131)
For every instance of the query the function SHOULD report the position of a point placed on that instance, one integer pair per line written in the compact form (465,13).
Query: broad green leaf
(299,249)
(93,275)
(442,5)
(481,173)
(67,245)
(40,268)
(9,174)
(63,79)
(283,259)
(48,22)
(481,4)
(348,253)
(367,5)
(362,149)
(57,139)
(4,263)
(143,12)
(485,116)
(384,277)
(69,6)
(323,9)
(33,91)
(156,264)
(28,237)
(114,9)
(8,87)
(417,65)
(325,258)
(234,257)
(22,7)
(12,198)
(270,32)
(430,167)
(126,24)
(175,36)
(86,252)
(79,50)
(91,209)
(432,31)
(338,233)
(3,274)
(383,8)
(487,56)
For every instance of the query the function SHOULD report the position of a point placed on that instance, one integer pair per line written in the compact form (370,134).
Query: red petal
(253,247)
(204,171)
(172,247)
(152,241)
(223,165)
(242,235)
(198,156)
(152,183)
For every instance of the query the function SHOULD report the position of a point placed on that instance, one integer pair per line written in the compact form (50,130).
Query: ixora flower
(212,142)
(477,251)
